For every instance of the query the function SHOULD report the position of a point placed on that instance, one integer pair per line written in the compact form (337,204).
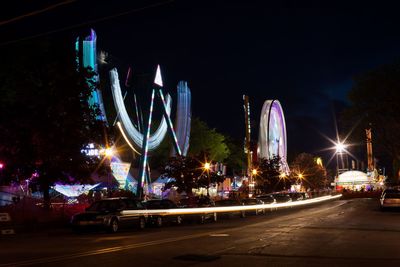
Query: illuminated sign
(120,171)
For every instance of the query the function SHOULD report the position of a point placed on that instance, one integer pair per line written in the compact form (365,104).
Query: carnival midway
(144,120)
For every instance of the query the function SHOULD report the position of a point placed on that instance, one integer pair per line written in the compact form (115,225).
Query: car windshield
(103,205)
(227,202)
(392,195)
(280,196)
(250,201)
(155,204)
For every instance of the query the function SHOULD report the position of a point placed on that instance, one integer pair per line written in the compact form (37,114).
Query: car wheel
(142,223)
(243,214)
(159,221)
(113,226)
(202,219)
(178,220)
(215,217)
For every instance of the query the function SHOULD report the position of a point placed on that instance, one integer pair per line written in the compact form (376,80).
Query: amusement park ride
(272,131)
(272,139)
(137,135)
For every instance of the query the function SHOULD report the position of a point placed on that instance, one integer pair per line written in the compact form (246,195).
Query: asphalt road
(335,233)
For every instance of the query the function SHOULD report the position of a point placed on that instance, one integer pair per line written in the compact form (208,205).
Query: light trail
(275,206)
(136,136)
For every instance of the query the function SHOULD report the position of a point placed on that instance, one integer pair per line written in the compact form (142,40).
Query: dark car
(253,201)
(296,196)
(230,203)
(109,214)
(282,197)
(198,202)
(390,198)
(266,199)
(160,204)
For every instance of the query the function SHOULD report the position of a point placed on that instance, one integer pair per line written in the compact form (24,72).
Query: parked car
(266,199)
(159,220)
(230,203)
(296,196)
(390,199)
(198,202)
(390,190)
(109,214)
(253,201)
(282,197)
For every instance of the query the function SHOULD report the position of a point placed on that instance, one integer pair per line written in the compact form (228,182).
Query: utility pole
(247,147)
(369,149)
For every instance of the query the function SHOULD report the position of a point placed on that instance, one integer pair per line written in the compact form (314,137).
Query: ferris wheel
(272,135)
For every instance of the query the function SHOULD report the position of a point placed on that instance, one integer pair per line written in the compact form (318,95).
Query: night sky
(303,55)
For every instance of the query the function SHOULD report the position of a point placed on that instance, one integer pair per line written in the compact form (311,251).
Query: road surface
(335,233)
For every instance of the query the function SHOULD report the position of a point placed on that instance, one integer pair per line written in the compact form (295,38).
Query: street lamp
(108,153)
(1,169)
(340,147)
(207,167)
(340,150)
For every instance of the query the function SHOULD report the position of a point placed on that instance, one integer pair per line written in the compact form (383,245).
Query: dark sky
(304,55)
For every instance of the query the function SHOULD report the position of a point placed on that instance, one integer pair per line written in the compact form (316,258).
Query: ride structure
(86,50)
(272,139)
(140,138)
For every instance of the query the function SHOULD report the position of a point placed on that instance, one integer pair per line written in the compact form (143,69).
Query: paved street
(336,233)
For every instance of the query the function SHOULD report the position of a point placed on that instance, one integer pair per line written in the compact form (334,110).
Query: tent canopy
(353,177)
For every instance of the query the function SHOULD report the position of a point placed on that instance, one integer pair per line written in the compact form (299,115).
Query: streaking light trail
(274,206)
(134,135)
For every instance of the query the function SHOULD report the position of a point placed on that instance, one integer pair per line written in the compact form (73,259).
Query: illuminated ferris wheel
(272,135)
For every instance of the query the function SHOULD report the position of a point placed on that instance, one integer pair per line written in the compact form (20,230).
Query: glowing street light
(254,172)
(282,175)
(340,147)
(301,176)
(108,152)
(207,166)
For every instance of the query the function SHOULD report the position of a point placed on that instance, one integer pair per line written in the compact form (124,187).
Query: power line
(33,13)
(87,22)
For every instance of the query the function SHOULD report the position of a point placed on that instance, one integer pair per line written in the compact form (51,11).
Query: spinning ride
(272,135)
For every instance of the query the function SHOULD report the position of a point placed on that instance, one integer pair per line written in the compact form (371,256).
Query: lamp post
(1,169)
(340,149)
(108,153)
(252,182)
(206,167)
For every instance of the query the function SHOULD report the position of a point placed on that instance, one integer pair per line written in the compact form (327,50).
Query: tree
(204,139)
(237,157)
(189,173)
(45,117)
(375,102)
(305,169)
(268,177)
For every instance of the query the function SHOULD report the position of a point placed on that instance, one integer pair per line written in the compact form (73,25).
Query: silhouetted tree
(305,170)
(189,173)
(45,117)
(268,178)
(375,103)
